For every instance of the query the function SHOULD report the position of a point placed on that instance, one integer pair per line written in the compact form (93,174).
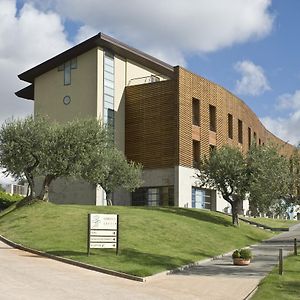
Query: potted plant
(242,257)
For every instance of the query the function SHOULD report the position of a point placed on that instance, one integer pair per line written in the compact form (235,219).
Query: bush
(7,200)
(244,253)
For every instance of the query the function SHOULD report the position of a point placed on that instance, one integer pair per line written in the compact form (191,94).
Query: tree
(113,172)
(226,171)
(36,147)
(22,147)
(292,197)
(268,178)
(2,188)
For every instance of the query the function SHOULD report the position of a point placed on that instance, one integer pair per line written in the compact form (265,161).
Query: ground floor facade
(176,186)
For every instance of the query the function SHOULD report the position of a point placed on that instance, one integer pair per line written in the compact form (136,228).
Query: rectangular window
(249,137)
(196,153)
(240,131)
(230,126)
(153,196)
(212,118)
(212,148)
(196,115)
(67,73)
(108,91)
(259,142)
(201,198)
(255,138)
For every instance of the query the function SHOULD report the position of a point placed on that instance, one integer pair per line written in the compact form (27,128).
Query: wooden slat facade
(159,132)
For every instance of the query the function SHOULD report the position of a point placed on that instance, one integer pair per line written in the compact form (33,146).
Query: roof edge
(98,40)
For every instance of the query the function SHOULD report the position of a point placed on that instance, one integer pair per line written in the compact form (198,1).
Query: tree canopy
(268,178)
(226,171)
(80,149)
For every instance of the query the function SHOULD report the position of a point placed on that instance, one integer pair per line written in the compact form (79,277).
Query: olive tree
(226,171)
(37,147)
(114,171)
(268,178)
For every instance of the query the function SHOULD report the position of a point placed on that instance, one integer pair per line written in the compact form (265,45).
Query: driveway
(26,276)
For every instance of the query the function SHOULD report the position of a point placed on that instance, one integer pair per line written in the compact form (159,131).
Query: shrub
(244,253)
(7,200)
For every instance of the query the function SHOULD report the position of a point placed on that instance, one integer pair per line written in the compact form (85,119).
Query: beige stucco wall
(86,92)
(50,91)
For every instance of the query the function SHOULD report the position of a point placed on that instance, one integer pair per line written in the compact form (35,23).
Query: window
(255,138)
(196,153)
(67,67)
(230,126)
(240,131)
(67,73)
(259,142)
(108,94)
(212,148)
(249,137)
(196,108)
(201,198)
(153,196)
(212,118)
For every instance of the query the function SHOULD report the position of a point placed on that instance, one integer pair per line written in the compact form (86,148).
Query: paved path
(26,276)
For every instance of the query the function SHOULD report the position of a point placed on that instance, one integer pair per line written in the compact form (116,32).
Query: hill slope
(151,239)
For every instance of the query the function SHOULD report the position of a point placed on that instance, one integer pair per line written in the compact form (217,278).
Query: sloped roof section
(106,42)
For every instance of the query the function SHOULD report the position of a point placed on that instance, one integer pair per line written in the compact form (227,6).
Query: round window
(67,100)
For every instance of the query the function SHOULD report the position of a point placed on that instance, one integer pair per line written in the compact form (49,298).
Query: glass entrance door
(198,198)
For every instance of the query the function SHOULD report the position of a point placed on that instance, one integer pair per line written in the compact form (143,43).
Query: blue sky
(250,47)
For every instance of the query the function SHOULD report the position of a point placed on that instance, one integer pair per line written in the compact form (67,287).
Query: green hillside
(151,239)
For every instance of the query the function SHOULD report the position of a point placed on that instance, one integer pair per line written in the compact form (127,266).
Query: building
(164,117)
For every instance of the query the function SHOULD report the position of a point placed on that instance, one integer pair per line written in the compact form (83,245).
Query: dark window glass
(196,108)
(212,148)
(259,142)
(230,126)
(212,118)
(255,138)
(67,73)
(153,196)
(249,137)
(240,131)
(196,153)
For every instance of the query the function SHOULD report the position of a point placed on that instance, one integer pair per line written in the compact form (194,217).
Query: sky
(250,47)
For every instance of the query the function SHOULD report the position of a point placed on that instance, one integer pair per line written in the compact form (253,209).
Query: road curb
(72,262)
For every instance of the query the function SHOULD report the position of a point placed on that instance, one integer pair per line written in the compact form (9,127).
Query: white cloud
(289,101)
(253,81)
(27,38)
(287,128)
(184,27)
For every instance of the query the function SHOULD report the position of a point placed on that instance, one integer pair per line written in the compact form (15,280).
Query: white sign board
(103,231)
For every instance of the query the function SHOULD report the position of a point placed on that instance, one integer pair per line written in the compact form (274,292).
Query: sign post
(103,232)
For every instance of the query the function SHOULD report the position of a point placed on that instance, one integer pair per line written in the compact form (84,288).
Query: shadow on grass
(199,215)
(146,260)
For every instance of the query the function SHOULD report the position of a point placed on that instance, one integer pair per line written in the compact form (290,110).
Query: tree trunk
(44,194)
(235,217)
(30,190)
(109,198)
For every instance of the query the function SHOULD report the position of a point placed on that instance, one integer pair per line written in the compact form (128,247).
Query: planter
(241,261)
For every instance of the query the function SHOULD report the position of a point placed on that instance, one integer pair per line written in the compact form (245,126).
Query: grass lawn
(275,223)
(151,239)
(285,287)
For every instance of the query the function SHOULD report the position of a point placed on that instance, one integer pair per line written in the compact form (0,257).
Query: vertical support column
(88,234)
(280,262)
(295,247)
